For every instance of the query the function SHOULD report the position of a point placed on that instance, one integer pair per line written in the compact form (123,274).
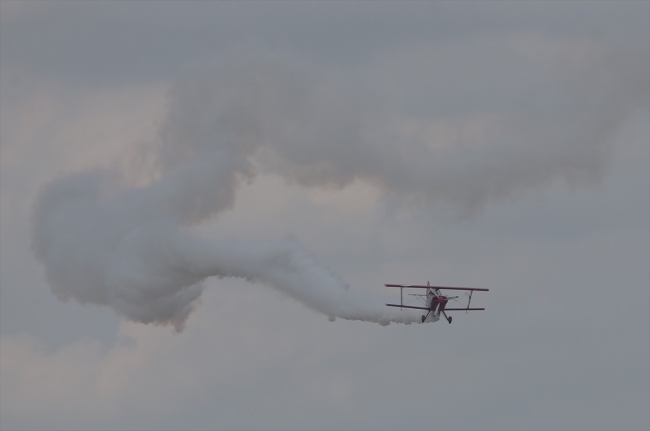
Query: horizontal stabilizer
(463,309)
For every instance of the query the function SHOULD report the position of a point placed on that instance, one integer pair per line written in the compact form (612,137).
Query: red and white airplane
(436,302)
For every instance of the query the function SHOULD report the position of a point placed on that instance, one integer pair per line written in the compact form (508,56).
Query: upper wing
(417,286)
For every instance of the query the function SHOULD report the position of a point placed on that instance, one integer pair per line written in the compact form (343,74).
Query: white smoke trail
(129,253)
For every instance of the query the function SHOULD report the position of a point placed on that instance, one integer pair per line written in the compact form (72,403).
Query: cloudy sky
(192,191)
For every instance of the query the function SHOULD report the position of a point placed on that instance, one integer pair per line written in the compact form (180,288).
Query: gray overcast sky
(503,145)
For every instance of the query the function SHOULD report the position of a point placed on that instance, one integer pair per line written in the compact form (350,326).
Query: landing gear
(449,319)
(423,318)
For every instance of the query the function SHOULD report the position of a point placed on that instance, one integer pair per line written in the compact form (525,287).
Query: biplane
(435,302)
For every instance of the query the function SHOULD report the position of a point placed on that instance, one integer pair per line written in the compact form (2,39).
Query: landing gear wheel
(423,317)
(449,320)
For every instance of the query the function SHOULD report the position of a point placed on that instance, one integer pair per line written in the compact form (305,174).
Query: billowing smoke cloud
(128,252)
(128,247)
